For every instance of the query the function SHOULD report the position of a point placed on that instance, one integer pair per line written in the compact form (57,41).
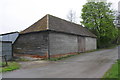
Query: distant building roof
(8,33)
(53,23)
(12,36)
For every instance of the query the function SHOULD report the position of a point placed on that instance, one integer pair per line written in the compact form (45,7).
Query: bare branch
(71,16)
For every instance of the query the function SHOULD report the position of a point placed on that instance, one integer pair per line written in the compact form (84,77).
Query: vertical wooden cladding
(32,43)
(81,44)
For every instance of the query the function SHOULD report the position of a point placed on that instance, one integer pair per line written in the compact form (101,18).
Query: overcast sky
(16,15)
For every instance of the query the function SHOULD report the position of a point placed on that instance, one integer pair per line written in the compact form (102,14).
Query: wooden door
(81,44)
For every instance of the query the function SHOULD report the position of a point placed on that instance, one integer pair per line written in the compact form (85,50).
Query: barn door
(81,44)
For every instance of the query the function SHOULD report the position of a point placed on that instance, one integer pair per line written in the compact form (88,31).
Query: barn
(54,36)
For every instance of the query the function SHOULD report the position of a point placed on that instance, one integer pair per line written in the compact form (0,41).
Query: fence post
(5,60)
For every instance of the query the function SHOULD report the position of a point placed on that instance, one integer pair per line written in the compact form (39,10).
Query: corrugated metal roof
(9,33)
(12,36)
(50,22)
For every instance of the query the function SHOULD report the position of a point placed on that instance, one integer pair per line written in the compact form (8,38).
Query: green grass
(11,66)
(113,72)
(112,46)
(21,59)
(2,64)
(92,51)
(99,49)
(60,58)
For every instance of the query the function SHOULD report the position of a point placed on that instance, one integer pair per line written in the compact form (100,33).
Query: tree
(71,16)
(99,19)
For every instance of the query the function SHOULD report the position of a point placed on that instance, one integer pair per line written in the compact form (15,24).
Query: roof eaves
(9,33)
(33,32)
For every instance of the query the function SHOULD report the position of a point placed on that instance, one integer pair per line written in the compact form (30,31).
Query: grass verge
(60,58)
(21,60)
(63,57)
(11,66)
(113,72)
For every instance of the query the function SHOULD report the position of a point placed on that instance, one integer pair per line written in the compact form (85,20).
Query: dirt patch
(30,55)
(45,56)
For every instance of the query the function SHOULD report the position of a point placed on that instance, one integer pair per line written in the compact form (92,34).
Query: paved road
(86,65)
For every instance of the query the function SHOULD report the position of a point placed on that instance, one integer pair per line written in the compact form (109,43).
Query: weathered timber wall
(90,43)
(32,43)
(60,43)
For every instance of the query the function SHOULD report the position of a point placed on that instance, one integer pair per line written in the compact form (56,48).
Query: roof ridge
(84,30)
(50,22)
(47,21)
(34,25)
(64,20)
(68,21)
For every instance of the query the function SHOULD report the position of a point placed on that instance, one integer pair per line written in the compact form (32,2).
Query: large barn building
(53,36)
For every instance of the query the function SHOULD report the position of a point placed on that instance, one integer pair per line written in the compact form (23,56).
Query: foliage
(2,64)
(21,59)
(98,18)
(113,72)
(11,66)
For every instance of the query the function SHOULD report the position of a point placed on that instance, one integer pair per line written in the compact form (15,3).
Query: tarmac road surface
(85,65)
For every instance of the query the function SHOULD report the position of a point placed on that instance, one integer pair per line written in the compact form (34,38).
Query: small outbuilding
(54,36)
(6,42)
